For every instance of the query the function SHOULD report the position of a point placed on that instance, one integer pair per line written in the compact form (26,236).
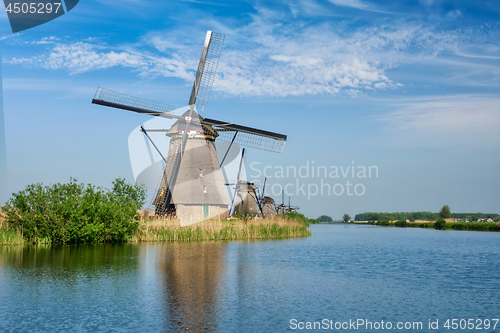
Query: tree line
(412,216)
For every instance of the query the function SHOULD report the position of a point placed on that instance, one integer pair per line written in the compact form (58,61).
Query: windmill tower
(247,201)
(199,182)
(267,204)
(281,209)
(245,198)
(268,210)
(191,186)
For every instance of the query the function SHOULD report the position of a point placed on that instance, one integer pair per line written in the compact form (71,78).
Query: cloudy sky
(406,89)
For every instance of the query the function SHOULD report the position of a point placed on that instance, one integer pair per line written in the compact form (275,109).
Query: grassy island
(75,213)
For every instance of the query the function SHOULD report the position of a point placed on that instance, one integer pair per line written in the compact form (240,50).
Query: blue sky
(409,87)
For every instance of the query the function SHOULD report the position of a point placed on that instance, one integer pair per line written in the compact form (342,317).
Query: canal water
(343,278)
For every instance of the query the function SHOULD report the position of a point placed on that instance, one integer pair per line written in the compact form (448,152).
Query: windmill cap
(177,128)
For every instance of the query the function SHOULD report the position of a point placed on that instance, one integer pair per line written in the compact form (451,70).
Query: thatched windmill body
(191,185)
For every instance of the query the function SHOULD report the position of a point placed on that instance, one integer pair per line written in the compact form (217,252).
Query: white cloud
(270,56)
(454,14)
(17,61)
(444,121)
(47,40)
(83,57)
(350,3)
(296,60)
(358,4)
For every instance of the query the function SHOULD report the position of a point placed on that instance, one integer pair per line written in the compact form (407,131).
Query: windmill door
(206,211)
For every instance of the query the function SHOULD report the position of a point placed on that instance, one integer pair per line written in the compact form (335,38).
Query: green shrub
(297,216)
(75,213)
(383,222)
(401,223)
(440,224)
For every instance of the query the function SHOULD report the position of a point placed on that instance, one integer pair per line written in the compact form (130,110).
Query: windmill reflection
(192,273)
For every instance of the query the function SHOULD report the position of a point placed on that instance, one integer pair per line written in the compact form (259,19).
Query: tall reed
(153,229)
(8,236)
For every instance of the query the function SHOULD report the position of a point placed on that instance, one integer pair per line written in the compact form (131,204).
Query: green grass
(152,230)
(10,237)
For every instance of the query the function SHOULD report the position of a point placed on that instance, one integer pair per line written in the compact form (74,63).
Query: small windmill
(191,186)
(281,209)
(267,203)
(247,199)
(291,209)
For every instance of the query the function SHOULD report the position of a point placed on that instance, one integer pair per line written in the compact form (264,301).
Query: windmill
(291,209)
(267,203)
(281,209)
(191,186)
(245,199)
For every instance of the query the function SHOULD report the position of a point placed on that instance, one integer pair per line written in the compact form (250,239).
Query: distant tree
(346,218)
(432,218)
(445,212)
(325,218)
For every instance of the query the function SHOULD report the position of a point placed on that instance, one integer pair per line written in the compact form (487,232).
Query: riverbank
(471,226)
(169,230)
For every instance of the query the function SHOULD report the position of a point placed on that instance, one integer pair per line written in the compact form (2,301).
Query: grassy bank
(77,213)
(161,230)
(472,226)
(153,230)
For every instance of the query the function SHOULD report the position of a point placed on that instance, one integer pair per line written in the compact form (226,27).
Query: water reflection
(390,274)
(54,259)
(75,288)
(192,274)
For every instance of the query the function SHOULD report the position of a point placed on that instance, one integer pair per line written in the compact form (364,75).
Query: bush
(440,224)
(383,222)
(401,223)
(75,213)
(298,217)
